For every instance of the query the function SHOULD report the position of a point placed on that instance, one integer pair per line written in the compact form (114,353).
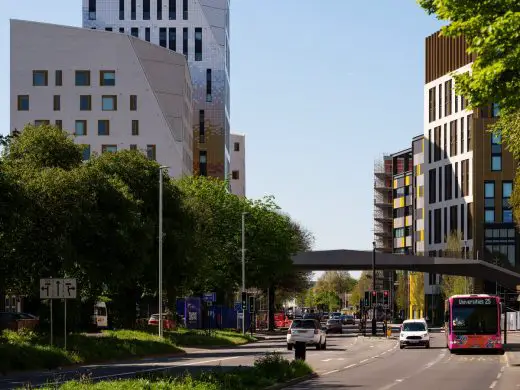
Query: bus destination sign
(475,301)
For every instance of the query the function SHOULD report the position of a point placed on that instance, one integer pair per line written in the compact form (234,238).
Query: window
(58,78)
(202,127)
(172,9)
(469,130)
(23,102)
(454,216)
(134,31)
(453,138)
(86,152)
(440,184)
(235,175)
(489,201)
(185,41)
(147,34)
(146,9)
(82,78)
(172,39)
(462,221)
(440,101)
(430,231)
(445,223)
(159,9)
(432,186)
(41,122)
(464,171)
(470,221)
(107,78)
(448,93)
(437,146)
(92,9)
(133,102)
(162,36)
(151,152)
(103,127)
(198,44)
(489,190)
(496,163)
(456,178)
(133,9)
(122,30)
(135,127)
(108,148)
(203,169)
(507,190)
(56,102)
(40,78)
(121,10)
(448,182)
(462,135)
(59,124)
(507,216)
(437,226)
(431,104)
(209,97)
(489,215)
(236,147)
(429,146)
(495,110)
(108,28)
(456,98)
(445,141)
(109,103)
(80,127)
(133,147)
(85,102)
(185,9)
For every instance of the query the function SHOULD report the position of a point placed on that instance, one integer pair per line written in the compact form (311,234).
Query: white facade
(199,29)
(148,106)
(238,164)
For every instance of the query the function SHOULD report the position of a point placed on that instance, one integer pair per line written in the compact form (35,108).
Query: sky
(320,88)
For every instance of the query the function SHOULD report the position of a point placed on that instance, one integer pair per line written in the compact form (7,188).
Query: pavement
(350,362)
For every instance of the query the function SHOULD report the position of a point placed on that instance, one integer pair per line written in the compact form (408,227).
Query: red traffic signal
(374,293)
(385,293)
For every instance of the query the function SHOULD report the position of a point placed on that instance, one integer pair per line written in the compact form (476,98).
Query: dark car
(348,319)
(334,326)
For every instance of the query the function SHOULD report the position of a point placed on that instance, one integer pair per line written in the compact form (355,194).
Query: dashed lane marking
(330,372)
(492,385)
(350,366)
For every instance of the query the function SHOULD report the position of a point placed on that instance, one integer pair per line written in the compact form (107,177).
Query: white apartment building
(238,164)
(112,91)
(199,29)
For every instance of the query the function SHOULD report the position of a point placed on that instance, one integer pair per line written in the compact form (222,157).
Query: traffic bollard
(300,350)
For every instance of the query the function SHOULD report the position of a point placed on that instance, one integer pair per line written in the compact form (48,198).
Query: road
(349,362)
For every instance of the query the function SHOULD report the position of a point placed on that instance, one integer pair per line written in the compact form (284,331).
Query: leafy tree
(401,294)
(327,300)
(452,285)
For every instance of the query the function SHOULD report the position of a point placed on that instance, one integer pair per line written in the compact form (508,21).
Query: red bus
(473,322)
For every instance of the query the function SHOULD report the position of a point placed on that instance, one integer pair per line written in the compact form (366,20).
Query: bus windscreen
(474,316)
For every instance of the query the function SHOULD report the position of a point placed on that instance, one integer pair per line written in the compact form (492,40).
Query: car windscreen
(474,319)
(302,324)
(332,322)
(414,327)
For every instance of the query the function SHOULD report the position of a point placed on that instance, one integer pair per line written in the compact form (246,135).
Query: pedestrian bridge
(352,260)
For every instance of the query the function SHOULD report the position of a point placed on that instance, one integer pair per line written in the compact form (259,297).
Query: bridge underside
(351,260)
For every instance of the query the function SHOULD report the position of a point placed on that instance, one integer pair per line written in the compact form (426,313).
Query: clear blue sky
(320,88)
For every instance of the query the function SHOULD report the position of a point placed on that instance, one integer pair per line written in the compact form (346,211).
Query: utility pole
(161,249)
(374,322)
(465,258)
(244,269)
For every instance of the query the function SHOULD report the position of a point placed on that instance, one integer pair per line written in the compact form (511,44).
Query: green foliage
(217,338)
(451,284)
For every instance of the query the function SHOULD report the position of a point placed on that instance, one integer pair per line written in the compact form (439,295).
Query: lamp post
(161,169)
(374,322)
(244,268)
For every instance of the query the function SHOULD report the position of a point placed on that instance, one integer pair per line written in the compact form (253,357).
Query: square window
(496,163)
(135,127)
(82,78)
(23,102)
(59,124)
(150,152)
(133,147)
(489,189)
(237,147)
(58,76)
(496,138)
(507,216)
(107,78)
(133,102)
(41,122)
(235,175)
(103,127)
(40,78)
(57,103)
(80,127)
(85,102)
(109,103)
(108,148)
(86,152)
(489,216)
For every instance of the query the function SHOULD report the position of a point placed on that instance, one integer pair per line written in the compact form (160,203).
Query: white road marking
(329,372)
(326,360)
(502,369)
(364,360)
(399,380)
(499,375)
(492,385)
(341,358)
(375,356)
(350,366)
(382,353)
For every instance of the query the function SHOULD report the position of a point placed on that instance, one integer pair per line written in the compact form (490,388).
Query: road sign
(238,306)
(210,297)
(69,289)
(45,289)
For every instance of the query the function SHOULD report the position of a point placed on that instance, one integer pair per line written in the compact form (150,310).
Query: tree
(327,300)
(338,282)
(363,284)
(401,294)
(452,285)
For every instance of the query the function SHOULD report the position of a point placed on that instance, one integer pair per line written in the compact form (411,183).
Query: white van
(100,316)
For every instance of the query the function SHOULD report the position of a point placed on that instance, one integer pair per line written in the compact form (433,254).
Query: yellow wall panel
(395,183)
(421,235)
(401,202)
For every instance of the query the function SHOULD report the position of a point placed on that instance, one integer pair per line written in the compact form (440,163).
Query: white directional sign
(58,288)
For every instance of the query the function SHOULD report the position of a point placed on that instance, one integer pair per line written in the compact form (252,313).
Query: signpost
(210,297)
(56,288)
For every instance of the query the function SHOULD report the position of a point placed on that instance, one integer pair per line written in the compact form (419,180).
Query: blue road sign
(210,297)
(238,306)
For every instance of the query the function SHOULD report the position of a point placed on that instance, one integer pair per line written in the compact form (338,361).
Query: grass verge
(217,338)
(267,371)
(26,350)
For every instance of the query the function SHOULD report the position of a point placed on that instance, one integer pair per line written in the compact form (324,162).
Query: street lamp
(244,268)
(374,321)
(161,169)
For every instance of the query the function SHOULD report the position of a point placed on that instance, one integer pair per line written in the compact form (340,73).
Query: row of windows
(108,102)
(451,133)
(146,9)
(151,150)
(447,102)
(451,222)
(451,182)
(107,78)
(489,202)
(81,126)
(403,232)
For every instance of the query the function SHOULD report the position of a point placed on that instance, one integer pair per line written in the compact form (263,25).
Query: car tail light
(316,331)
(288,331)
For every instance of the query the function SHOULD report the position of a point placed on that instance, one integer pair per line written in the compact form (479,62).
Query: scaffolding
(383,204)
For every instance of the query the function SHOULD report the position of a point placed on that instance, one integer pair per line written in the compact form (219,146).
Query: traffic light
(367,299)
(380,297)
(385,297)
(251,304)
(244,301)
(374,298)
